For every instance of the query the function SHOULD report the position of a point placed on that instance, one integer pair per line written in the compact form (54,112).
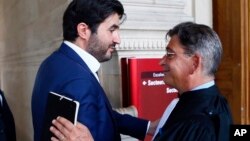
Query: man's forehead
(174,44)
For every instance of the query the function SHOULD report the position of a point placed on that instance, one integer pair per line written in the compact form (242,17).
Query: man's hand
(64,130)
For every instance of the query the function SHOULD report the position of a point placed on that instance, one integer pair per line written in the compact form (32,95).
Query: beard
(99,49)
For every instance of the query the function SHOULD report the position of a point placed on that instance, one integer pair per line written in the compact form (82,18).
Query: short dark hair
(199,38)
(91,12)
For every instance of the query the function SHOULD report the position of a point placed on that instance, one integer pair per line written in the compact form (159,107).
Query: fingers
(63,125)
(54,139)
(64,130)
(66,123)
(57,133)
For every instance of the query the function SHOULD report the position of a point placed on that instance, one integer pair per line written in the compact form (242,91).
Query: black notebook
(58,105)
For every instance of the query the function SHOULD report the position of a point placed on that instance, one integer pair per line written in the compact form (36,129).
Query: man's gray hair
(201,39)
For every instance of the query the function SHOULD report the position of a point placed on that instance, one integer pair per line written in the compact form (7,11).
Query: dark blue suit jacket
(66,73)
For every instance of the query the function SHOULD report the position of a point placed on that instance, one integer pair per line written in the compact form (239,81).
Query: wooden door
(231,22)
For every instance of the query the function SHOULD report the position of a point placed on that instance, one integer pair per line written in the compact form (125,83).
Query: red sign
(143,87)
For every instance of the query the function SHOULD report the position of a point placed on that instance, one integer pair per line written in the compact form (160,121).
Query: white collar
(204,86)
(90,60)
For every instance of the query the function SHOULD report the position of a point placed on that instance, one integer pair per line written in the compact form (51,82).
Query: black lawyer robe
(200,115)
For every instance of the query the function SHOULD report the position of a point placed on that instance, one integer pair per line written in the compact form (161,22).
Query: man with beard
(91,32)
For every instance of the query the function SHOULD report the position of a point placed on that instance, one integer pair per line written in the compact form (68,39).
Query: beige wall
(31,29)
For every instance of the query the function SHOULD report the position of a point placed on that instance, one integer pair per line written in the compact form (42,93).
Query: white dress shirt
(91,61)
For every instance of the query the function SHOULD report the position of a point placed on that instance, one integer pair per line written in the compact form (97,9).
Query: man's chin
(106,58)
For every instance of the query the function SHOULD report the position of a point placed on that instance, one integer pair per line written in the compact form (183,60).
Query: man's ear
(196,62)
(83,31)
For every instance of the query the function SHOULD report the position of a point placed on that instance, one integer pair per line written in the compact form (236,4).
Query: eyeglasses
(169,54)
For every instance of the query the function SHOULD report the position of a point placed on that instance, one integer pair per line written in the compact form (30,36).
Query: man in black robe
(192,57)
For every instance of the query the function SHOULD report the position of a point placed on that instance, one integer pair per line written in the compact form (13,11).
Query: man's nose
(162,61)
(117,38)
